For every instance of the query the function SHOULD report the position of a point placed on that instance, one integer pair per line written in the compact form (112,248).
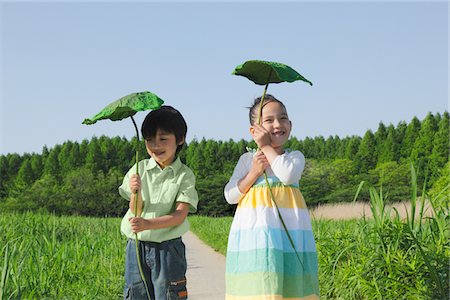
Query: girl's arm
(259,164)
(231,191)
(176,218)
(287,167)
(247,170)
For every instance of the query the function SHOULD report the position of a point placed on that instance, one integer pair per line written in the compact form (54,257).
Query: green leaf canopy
(127,106)
(264,72)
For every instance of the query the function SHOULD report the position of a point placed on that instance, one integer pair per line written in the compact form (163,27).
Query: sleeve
(289,167)
(231,191)
(124,189)
(187,192)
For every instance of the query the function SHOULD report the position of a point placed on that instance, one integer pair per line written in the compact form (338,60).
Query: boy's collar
(175,166)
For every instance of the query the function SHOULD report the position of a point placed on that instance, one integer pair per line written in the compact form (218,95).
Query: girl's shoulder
(246,157)
(294,153)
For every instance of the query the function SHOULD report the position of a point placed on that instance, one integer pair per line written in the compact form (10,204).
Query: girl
(261,261)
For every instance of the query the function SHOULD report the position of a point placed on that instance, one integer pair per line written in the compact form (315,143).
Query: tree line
(82,178)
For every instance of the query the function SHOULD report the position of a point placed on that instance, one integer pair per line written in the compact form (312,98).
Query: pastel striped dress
(261,262)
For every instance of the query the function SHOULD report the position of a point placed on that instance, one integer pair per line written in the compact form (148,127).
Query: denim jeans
(164,267)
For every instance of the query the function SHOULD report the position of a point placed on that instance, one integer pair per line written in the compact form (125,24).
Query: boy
(166,194)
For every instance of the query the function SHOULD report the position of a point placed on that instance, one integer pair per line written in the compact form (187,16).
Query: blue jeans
(164,268)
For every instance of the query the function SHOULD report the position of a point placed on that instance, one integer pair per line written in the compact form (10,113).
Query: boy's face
(276,121)
(162,147)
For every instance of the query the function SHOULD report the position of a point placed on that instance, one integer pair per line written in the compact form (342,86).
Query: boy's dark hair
(254,109)
(168,119)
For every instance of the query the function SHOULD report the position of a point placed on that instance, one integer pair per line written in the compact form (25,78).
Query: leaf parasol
(263,73)
(126,107)
(120,109)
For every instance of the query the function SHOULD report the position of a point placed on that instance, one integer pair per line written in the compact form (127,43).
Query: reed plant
(391,258)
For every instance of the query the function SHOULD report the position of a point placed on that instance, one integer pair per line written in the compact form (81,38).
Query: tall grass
(389,258)
(49,257)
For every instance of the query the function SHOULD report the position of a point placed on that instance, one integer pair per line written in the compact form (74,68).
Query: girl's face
(162,147)
(276,121)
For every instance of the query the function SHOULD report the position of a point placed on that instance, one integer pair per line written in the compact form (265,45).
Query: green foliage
(52,166)
(410,136)
(81,193)
(82,178)
(367,153)
(441,150)
(423,147)
(393,179)
(210,202)
(441,190)
(325,181)
(25,175)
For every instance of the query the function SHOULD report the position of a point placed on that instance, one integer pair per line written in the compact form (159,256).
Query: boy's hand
(135,183)
(260,135)
(138,224)
(260,163)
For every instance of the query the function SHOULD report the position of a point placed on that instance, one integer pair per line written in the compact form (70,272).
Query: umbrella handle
(262,98)
(261,103)
(136,211)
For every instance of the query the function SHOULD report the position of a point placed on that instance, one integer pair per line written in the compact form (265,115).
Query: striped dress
(261,262)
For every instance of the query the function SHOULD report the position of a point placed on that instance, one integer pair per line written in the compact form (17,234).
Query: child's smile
(162,148)
(276,121)
(278,133)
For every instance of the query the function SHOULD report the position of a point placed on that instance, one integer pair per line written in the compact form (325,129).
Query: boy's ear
(181,142)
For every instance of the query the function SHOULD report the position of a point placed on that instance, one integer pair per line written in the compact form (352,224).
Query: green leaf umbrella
(263,73)
(120,109)
(126,107)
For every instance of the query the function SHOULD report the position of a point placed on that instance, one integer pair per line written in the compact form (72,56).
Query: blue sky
(369,61)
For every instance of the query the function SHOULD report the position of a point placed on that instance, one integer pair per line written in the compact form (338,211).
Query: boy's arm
(139,224)
(135,186)
(139,203)
(186,201)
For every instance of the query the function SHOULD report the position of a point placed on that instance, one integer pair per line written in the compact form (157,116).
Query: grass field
(44,256)
(50,257)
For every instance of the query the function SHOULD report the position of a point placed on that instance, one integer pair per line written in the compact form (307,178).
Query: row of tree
(82,178)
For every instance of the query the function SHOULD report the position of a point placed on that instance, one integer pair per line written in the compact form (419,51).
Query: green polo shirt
(161,189)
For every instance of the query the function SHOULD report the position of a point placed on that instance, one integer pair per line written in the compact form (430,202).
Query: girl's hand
(135,183)
(139,224)
(260,135)
(260,163)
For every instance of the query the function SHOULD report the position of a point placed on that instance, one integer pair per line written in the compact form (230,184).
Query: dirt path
(205,270)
